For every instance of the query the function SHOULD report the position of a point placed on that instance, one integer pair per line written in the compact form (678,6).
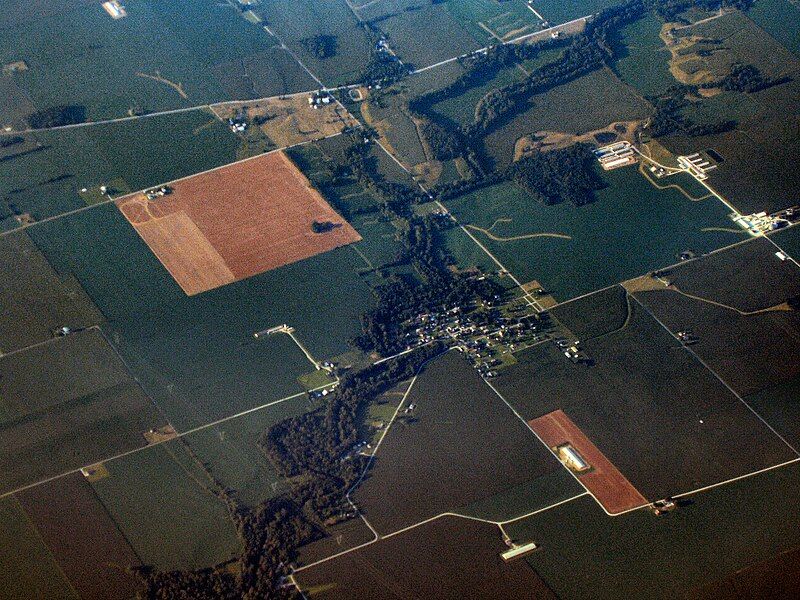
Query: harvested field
(603,480)
(449,558)
(460,443)
(80,534)
(235,222)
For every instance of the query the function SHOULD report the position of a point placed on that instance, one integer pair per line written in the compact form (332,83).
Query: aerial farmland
(366,299)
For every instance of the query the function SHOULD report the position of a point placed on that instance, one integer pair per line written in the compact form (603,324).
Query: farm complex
(367,299)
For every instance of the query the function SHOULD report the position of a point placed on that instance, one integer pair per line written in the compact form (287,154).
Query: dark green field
(35,300)
(460,444)
(164,334)
(583,552)
(732,302)
(658,415)
(65,404)
(82,56)
(630,229)
(44,176)
(162,502)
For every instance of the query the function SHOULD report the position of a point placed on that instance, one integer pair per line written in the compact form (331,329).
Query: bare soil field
(603,480)
(234,222)
(449,558)
(87,544)
(460,443)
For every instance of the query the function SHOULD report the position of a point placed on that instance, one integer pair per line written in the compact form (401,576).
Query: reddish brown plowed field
(84,540)
(235,222)
(604,480)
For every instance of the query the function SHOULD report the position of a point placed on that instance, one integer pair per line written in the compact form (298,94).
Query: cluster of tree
(568,174)
(321,46)
(56,116)
(670,118)
(322,226)
(748,79)
(397,198)
(403,297)
(443,142)
(11,140)
(560,175)
(383,68)
(670,10)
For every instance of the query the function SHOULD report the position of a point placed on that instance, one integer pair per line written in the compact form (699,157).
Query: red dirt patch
(603,480)
(85,542)
(235,222)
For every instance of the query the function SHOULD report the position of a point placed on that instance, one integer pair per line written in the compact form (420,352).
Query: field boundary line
(431,520)
(75,211)
(555,456)
(738,478)
(716,375)
(160,442)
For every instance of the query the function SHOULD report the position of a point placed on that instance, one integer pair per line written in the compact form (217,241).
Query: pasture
(639,226)
(647,404)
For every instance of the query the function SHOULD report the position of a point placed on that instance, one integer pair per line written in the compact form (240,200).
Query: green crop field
(44,175)
(778,18)
(642,59)
(162,55)
(36,300)
(162,502)
(65,404)
(630,229)
(709,535)
(296,20)
(561,11)
(233,456)
(164,334)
